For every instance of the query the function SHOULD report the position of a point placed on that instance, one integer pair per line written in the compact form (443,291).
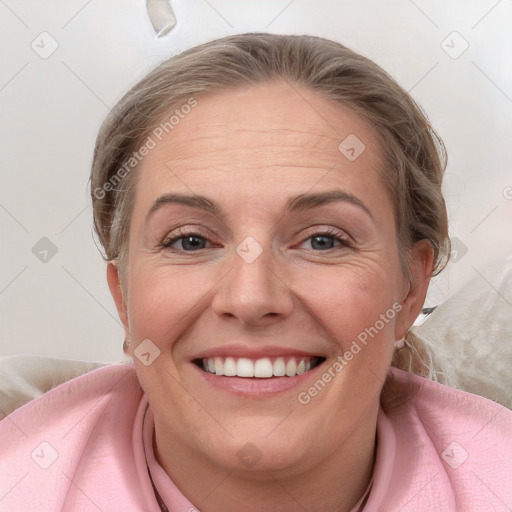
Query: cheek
(157,302)
(345,299)
(348,301)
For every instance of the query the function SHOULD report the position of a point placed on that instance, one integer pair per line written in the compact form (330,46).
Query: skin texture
(249,151)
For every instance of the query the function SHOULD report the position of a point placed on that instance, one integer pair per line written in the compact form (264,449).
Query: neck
(333,484)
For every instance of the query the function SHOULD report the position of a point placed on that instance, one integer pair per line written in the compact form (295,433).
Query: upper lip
(237,350)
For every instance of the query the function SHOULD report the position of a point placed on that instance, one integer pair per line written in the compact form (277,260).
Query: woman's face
(287,260)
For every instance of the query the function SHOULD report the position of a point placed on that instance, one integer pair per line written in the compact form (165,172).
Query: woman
(271,212)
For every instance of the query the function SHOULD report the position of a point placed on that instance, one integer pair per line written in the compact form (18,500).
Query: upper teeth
(260,368)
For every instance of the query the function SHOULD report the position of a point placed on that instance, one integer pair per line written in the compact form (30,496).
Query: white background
(51,110)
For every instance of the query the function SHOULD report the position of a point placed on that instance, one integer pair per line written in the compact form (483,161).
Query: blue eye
(323,245)
(192,241)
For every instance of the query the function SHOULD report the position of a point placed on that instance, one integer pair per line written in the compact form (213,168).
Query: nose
(255,292)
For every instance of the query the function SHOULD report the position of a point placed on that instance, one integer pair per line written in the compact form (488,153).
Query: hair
(414,155)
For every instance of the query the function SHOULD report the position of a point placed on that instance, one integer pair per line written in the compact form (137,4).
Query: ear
(421,262)
(116,290)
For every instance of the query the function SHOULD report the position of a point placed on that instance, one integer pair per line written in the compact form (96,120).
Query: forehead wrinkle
(316,134)
(324,150)
(227,141)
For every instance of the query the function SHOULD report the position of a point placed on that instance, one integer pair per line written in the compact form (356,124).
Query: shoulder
(73,396)
(432,401)
(456,445)
(66,404)
(81,427)
(26,377)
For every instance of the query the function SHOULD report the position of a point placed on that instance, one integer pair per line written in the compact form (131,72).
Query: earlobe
(421,263)
(114,284)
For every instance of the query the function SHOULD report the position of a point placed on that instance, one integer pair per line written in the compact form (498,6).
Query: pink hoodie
(83,447)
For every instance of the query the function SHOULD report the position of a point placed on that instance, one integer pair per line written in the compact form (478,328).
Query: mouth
(262,368)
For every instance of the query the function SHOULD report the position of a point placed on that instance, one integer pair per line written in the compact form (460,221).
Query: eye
(320,240)
(190,241)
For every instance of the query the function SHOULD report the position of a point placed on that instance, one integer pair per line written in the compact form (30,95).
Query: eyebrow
(300,203)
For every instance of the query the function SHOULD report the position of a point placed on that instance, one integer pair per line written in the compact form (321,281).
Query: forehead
(259,137)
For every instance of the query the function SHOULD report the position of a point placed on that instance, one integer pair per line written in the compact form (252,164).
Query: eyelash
(326,232)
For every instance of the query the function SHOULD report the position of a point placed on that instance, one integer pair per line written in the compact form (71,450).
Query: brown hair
(414,154)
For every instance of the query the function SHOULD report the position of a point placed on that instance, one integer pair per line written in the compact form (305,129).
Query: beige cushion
(471,335)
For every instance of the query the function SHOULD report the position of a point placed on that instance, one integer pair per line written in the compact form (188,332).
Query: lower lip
(252,386)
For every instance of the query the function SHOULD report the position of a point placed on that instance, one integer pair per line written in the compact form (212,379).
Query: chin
(263,449)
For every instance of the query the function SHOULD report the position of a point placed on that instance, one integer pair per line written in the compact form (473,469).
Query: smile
(263,368)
